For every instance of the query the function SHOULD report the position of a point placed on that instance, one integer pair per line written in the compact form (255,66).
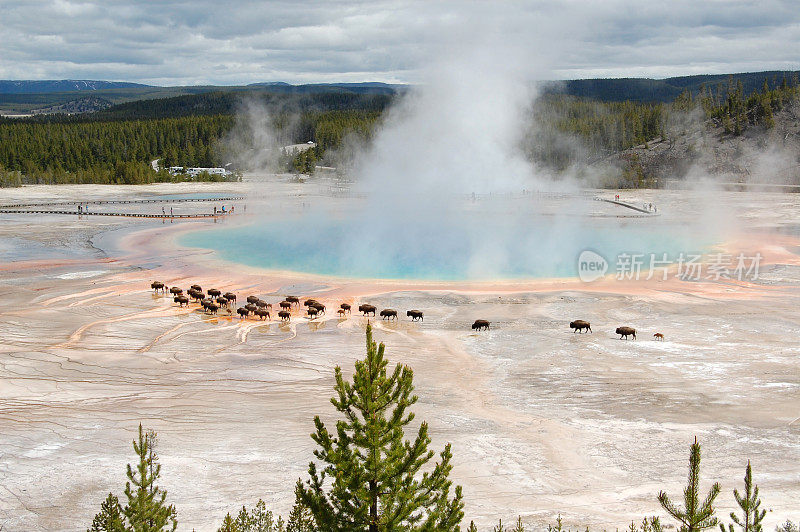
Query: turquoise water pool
(458,249)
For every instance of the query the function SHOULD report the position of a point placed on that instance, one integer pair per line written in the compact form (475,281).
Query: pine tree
(229,525)
(373,472)
(147,510)
(750,503)
(694,516)
(472,527)
(518,527)
(259,519)
(300,519)
(110,518)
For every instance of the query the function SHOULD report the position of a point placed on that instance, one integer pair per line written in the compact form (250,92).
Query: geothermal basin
(542,421)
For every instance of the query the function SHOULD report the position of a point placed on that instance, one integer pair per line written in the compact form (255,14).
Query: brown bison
(158,286)
(345,307)
(341,312)
(319,306)
(624,332)
(367,309)
(242,312)
(262,314)
(293,299)
(284,315)
(310,302)
(480,324)
(230,296)
(579,326)
(312,312)
(415,315)
(196,288)
(197,296)
(251,308)
(658,336)
(285,304)
(222,301)
(213,292)
(181,300)
(388,314)
(252,299)
(175,291)
(212,308)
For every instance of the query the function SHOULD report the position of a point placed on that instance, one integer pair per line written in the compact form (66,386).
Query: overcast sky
(186,42)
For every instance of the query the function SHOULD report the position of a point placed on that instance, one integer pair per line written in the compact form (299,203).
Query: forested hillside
(116,145)
(725,132)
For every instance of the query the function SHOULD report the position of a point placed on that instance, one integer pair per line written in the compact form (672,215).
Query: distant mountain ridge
(661,90)
(48,96)
(8,86)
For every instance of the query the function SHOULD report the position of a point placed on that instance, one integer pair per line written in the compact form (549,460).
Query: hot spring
(470,240)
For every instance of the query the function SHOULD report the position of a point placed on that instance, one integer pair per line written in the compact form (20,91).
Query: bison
(658,336)
(293,299)
(158,286)
(284,315)
(251,308)
(285,304)
(389,314)
(310,302)
(415,315)
(242,312)
(181,300)
(212,308)
(319,306)
(624,332)
(230,296)
(341,312)
(367,309)
(263,314)
(197,296)
(345,307)
(312,312)
(213,292)
(175,291)
(196,288)
(579,326)
(252,299)
(480,324)
(222,301)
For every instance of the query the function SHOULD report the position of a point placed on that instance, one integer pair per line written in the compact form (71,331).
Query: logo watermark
(683,266)
(591,266)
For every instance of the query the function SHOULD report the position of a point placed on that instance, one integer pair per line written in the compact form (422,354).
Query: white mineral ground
(542,421)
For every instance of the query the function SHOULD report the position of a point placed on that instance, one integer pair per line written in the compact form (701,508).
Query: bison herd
(213,300)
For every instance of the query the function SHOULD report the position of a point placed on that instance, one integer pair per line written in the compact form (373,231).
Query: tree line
(368,477)
(117,145)
(729,107)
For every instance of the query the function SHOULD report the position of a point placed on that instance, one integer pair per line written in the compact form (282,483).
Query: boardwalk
(628,206)
(36,208)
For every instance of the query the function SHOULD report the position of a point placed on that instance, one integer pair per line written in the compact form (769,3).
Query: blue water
(463,249)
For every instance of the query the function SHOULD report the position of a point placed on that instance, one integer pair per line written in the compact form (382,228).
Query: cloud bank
(176,42)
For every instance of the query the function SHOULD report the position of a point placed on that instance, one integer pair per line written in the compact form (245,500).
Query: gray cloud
(204,41)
